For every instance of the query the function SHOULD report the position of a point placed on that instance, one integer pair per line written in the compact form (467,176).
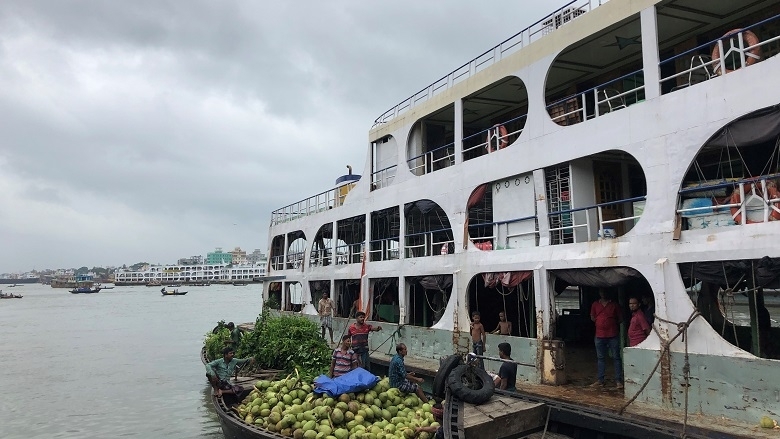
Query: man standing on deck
(606,314)
(218,372)
(325,310)
(359,333)
(402,380)
(235,335)
(638,329)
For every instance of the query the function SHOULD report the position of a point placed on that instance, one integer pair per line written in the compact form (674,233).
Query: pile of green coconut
(290,408)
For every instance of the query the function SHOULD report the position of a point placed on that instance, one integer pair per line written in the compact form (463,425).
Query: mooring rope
(682,329)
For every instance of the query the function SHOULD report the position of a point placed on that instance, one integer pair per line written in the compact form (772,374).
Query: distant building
(192,260)
(218,257)
(238,256)
(257,257)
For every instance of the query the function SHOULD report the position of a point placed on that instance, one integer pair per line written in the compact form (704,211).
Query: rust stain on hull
(666,376)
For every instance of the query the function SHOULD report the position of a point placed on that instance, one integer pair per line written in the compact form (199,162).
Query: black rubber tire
(471,384)
(440,380)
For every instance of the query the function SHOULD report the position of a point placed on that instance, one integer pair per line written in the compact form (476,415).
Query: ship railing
(702,67)
(295,259)
(277,262)
(385,249)
(383,177)
(349,253)
(501,230)
(602,225)
(433,242)
(319,257)
(760,187)
(537,30)
(606,98)
(312,205)
(426,162)
(498,139)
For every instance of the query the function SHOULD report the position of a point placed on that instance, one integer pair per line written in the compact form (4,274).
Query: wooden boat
(85,290)
(240,283)
(154,284)
(172,293)
(10,296)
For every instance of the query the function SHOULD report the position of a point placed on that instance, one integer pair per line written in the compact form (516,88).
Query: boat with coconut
(625,148)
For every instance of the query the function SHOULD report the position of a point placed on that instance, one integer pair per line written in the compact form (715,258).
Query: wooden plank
(502,416)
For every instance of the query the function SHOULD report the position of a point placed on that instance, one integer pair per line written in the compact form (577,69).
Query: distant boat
(10,296)
(85,290)
(19,280)
(240,283)
(154,283)
(173,285)
(172,293)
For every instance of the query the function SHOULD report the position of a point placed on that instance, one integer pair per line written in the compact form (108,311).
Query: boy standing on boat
(606,314)
(218,372)
(359,333)
(402,380)
(504,327)
(325,309)
(344,359)
(478,336)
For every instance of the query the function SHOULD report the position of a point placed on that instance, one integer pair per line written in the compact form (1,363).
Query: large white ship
(631,147)
(190,274)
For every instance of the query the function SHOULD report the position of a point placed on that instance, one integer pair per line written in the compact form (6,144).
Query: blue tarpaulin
(355,380)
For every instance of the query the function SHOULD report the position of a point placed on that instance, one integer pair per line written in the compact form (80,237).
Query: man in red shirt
(359,332)
(606,314)
(638,329)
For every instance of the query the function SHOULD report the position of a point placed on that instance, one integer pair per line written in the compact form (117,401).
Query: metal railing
(715,67)
(349,253)
(501,231)
(383,177)
(549,23)
(605,97)
(600,221)
(384,249)
(432,243)
(426,163)
(762,188)
(320,257)
(295,259)
(277,262)
(492,136)
(312,205)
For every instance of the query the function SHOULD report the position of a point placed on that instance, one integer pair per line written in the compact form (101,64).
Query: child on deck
(478,337)
(504,327)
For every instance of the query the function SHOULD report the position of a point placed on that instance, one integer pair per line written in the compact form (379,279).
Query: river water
(124,362)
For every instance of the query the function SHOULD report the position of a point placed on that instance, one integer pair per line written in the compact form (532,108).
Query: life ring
(755,191)
(498,134)
(750,38)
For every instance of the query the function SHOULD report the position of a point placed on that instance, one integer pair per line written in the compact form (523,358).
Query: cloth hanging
(597,277)
(509,279)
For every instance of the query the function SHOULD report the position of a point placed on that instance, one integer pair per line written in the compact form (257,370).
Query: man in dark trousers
(606,314)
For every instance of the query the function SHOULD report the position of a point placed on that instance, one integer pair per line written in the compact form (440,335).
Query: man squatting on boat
(218,372)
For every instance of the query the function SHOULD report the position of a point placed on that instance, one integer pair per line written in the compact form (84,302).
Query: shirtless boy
(478,336)
(504,327)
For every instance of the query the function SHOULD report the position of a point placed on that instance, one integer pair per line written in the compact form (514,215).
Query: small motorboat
(175,292)
(10,296)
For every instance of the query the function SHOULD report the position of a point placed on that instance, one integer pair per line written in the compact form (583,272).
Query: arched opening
(494,117)
(296,250)
(431,143)
(510,293)
(428,230)
(322,247)
(598,75)
(734,177)
(739,299)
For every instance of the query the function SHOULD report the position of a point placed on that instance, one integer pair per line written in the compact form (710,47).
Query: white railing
(319,256)
(426,163)
(549,23)
(730,46)
(600,222)
(383,177)
(277,262)
(761,188)
(431,245)
(606,99)
(349,253)
(384,249)
(312,205)
(295,259)
(493,137)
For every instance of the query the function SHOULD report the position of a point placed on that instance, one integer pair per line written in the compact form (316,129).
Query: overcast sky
(153,130)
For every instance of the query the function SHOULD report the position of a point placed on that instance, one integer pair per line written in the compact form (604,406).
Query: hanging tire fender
(445,368)
(471,384)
